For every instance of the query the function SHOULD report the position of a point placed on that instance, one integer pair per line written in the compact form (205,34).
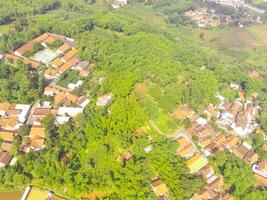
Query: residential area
(52,56)
(225,126)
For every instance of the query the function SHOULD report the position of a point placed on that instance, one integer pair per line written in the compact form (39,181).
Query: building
(186,148)
(69,111)
(34,194)
(118,3)
(195,163)
(1,58)
(103,100)
(183,112)
(5,159)
(160,189)
(37,137)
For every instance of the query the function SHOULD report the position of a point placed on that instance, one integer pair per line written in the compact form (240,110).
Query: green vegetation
(69,77)
(150,68)
(13,89)
(238,175)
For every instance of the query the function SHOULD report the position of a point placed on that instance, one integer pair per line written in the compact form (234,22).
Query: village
(235,121)
(52,56)
(57,55)
(205,17)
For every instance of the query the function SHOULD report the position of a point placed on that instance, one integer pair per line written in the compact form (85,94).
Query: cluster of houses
(238,116)
(56,57)
(54,54)
(200,140)
(204,17)
(12,117)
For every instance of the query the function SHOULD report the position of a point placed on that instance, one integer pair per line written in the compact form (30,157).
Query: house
(65,98)
(125,156)
(1,58)
(195,163)
(41,38)
(5,159)
(82,101)
(73,86)
(118,3)
(211,149)
(57,63)
(49,40)
(6,146)
(261,168)
(204,142)
(12,58)
(240,151)
(32,63)
(64,48)
(210,111)
(7,136)
(160,189)
(62,119)
(50,91)
(103,100)
(26,47)
(69,55)
(4,107)
(69,111)
(183,112)
(186,148)
(207,193)
(234,86)
(83,65)
(51,73)
(68,65)
(32,193)
(207,173)
(37,137)
(10,124)
(25,110)
(217,185)
(231,141)
(251,157)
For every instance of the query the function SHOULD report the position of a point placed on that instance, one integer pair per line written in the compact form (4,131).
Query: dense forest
(150,69)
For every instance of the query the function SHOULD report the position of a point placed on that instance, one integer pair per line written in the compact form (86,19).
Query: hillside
(149,68)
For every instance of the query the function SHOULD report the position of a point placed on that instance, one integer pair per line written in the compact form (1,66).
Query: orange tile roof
(159,188)
(69,55)
(50,40)
(37,131)
(12,58)
(187,151)
(41,38)
(22,50)
(64,48)
(67,66)
(5,106)
(196,162)
(34,64)
(205,142)
(8,123)
(37,142)
(183,112)
(50,72)
(59,98)
(7,135)
(71,97)
(57,62)
(51,89)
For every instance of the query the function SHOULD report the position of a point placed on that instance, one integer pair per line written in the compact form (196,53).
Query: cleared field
(237,39)
(12,195)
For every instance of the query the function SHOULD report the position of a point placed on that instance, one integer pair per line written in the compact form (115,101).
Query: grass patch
(69,77)
(167,124)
